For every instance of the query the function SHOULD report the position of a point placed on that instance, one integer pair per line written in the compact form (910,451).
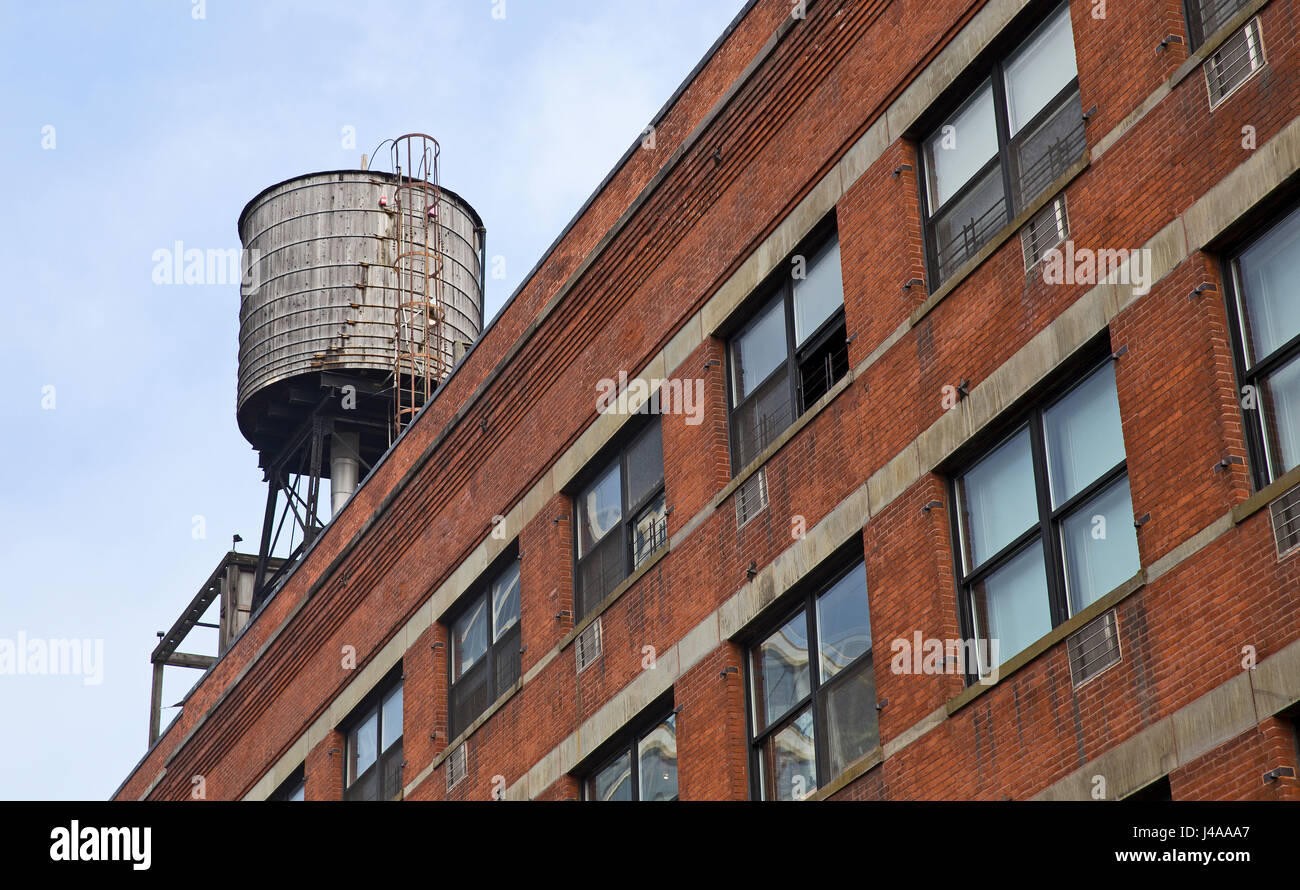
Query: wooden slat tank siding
(430,500)
(313,234)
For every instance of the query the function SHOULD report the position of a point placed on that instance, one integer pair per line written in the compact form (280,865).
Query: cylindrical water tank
(320,291)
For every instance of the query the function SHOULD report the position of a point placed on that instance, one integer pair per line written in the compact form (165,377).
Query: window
(1045,520)
(1010,139)
(645,768)
(812,690)
(789,353)
(1265,310)
(293,788)
(1204,17)
(485,646)
(373,759)
(622,517)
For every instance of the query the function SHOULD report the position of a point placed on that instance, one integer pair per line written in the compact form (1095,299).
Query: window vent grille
(457,765)
(1049,227)
(1286,522)
(1093,648)
(588,646)
(1240,56)
(751,497)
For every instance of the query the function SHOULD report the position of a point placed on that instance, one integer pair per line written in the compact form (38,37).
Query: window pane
(757,423)
(1040,69)
(998,499)
(789,761)
(843,625)
(600,572)
(1269,277)
(614,782)
(505,601)
(469,639)
(506,662)
(820,293)
(1083,433)
(960,147)
(650,531)
(1279,400)
(781,670)
(392,722)
(299,792)
(1043,153)
(758,350)
(363,746)
(657,754)
(1011,607)
(1100,544)
(851,728)
(470,696)
(968,223)
(645,464)
(600,508)
(390,773)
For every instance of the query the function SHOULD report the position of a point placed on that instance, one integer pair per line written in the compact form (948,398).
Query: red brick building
(973,475)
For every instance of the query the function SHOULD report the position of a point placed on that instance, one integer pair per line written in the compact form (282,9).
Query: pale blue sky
(164,127)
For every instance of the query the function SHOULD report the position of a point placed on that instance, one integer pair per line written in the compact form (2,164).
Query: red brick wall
(827,80)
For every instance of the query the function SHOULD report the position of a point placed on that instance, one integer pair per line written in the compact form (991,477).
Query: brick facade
(642,282)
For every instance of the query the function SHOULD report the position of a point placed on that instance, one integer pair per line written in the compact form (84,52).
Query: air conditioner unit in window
(588,646)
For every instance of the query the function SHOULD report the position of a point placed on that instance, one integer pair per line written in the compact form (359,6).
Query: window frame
(780,287)
(1196,34)
(289,787)
(618,453)
(373,703)
(989,69)
(804,600)
(481,591)
(1047,529)
(1260,469)
(625,744)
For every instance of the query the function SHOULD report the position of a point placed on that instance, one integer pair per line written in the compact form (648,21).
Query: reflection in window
(790,353)
(1266,316)
(622,517)
(374,749)
(1049,502)
(1005,143)
(810,724)
(643,768)
(485,646)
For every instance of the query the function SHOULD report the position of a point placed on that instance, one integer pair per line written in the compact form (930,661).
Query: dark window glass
(622,517)
(374,750)
(293,788)
(485,640)
(645,768)
(1002,146)
(789,354)
(813,717)
(1046,520)
(1204,17)
(1266,314)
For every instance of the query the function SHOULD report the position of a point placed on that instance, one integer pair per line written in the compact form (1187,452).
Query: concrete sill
(784,439)
(474,727)
(855,770)
(1004,234)
(1045,643)
(613,596)
(1211,46)
(1265,496)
